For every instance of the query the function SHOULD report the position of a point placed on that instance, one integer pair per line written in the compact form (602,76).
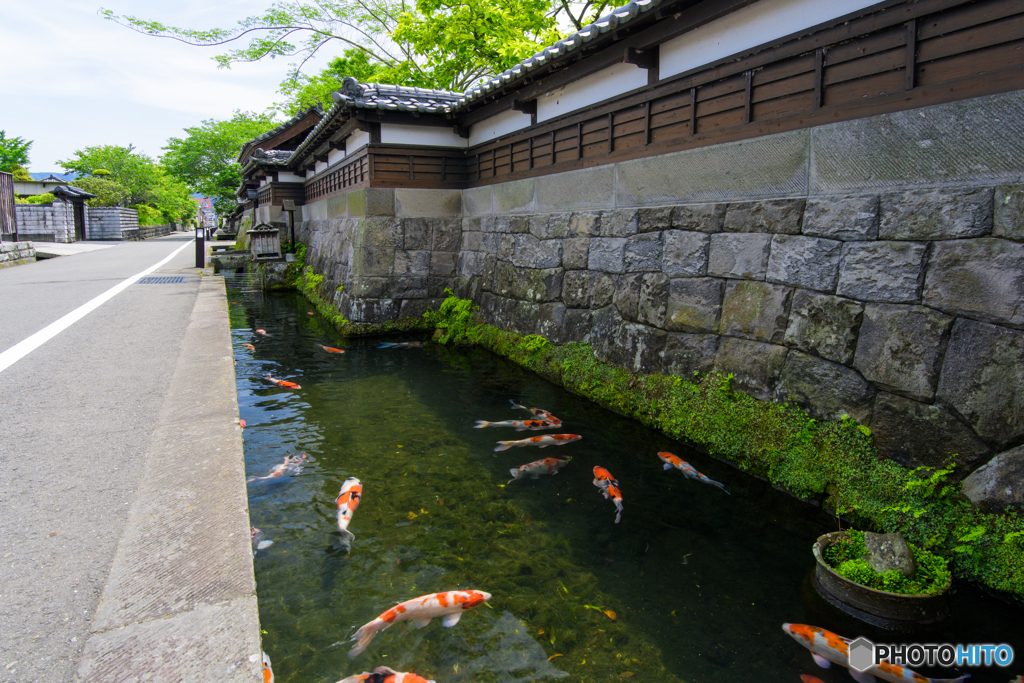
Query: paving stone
(983,379)
(685,253)
(809,262)
(824,325)
(998,484)
(381,232)
(689,355)
(742,255)
(1008,220)
(442,263)
(447,233)
(607,254)
(900,348)
(639,348)
(552,226)
(766,215)
(916,434)
(848,219)
(694,305)
(825,390)
(981,279)
(506,247)
(643,253)
(575,252)
(890,272)
(472,241)
(471,263)
(373,261)
(652,300)
(935,214)
(699,217)
(627,296)
(531,252)
(756,310)
(756,367)
(519,224)
(550,321)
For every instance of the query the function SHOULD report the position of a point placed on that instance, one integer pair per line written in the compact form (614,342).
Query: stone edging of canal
(181,595)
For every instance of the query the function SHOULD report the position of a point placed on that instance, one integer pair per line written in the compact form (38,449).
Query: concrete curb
(180,603)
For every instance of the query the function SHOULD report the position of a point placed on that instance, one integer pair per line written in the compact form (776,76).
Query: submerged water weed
(845,556)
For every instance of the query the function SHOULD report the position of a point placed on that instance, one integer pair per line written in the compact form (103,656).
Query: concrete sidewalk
(123,515)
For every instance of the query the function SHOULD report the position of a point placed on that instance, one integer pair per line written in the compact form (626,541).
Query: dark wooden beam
(911,54)
(461,131)
(336,144)
(645,59)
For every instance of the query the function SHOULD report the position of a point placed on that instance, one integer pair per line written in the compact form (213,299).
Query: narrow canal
(693,585)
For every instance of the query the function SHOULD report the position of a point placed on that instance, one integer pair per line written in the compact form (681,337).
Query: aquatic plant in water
(845,557)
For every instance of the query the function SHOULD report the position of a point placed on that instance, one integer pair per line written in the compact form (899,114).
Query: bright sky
(72,78)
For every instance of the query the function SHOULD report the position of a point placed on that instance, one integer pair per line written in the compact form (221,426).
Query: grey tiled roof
(394,97)
(615,19)
(71,192)
(274,131)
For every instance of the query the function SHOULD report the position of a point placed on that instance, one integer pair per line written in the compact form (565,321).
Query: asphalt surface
(88,422)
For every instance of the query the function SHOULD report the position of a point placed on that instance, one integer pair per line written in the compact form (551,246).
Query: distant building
(205,214)
(47,183)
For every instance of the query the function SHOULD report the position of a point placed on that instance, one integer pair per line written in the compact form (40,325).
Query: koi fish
(281,382)
(383,674)
(401,345)
(263,332)
(604,480)
(268,673)
(249,346)
(687,469)
(258,542)
(520,425)
(540,441)
(449,604)
(539,413)
(828,648)
(347,502)
(241,423)
(537,468)
(292,465)
(810,679)
(331,349)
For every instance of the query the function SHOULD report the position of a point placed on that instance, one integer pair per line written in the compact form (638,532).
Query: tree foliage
(20,173)
(205,159)
(13,152)
(443,44)
(108,192)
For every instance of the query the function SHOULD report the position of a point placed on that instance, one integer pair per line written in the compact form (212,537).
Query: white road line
(33,342)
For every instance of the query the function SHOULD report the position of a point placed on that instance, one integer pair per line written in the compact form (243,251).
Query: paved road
(79,417)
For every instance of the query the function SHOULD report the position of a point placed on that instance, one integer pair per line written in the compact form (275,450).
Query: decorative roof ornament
(350,88)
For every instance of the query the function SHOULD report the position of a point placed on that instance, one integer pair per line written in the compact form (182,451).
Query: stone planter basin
(891,611)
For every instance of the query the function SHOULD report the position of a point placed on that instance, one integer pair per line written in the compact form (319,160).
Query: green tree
(205,159)
(20,173)
(135,172)
(171,197)
(13,152)
(432,43)
(108,192)
(302,91)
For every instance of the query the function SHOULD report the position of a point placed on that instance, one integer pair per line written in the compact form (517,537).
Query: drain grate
(167,280)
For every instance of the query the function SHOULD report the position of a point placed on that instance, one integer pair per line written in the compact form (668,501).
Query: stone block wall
(46,222)
(393,252)
(108,222)
(16,253)
(901,309)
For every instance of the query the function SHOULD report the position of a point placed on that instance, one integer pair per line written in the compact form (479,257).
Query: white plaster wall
(421,135)
(263,181)
(334,156)
(320,165)
(496,126)
(287,177)
(358,139)
(606,83)
(749,27)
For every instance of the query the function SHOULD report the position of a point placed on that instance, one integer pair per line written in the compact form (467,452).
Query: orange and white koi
(249,346)
(281,382)
(401,345)
(828,648)
(383,674)
(604,480)
(538,413)
(450,605)
(687,469)
(347,502)
(540,441)
(537,468)
(261,331)
(292,465)
(268,673)
(520,425)
(331,349)
(241,423)
(258,542)
(806,678)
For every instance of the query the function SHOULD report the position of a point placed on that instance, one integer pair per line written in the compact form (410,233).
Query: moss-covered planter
(892,611)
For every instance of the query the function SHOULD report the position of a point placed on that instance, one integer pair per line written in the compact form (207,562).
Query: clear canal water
(699,582)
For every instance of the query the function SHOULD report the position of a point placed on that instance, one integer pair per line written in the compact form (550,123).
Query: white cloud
(75,79)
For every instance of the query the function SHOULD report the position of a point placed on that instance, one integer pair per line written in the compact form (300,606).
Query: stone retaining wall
(16,253)
(46,222)
(108,222)
(873,268)
(148,232)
